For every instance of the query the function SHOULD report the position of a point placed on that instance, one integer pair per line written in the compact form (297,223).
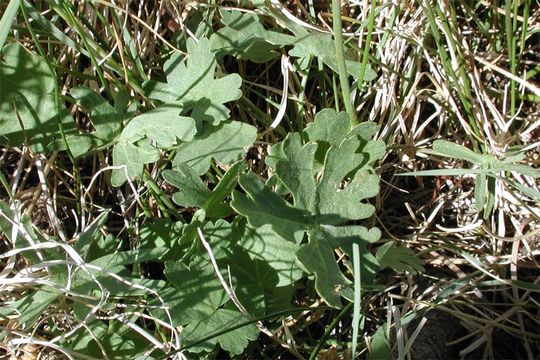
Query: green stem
(57,103)
(329,330)
(367,45)
(163,202)
(511,48)
(342,70)
(5,184)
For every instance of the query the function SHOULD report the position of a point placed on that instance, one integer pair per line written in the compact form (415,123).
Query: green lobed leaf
(191,83)
(162,125)
(28,111)
(262,206)
(225,143)
(264,244)
(244,37)
(196,289)
(324,196)
(329,200)
(398,258)
(253,279)
(79,145)
(134,158)
(197,303)
(329,126)
(106,119)
(317,257)
(141,139)
(322,46)
(127,257)
(334,194)
(263,267)
(221,235)
(296,172)
(345,236)
(193,192)
(213,320)
(260,262)
(161,233)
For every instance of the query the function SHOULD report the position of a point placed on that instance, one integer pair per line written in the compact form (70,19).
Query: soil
(439,330)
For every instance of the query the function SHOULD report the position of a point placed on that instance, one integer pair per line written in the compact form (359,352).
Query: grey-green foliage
(106,119)
(198,304)
(29,112)
(192,84)
(145,135)
(225,143)
(325,197)
(199,138)
(245,37)
(262,267)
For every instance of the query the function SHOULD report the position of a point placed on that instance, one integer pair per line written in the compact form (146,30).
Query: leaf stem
(342,70)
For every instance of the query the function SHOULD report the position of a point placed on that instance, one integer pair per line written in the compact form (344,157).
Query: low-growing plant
(248,245)
(162,197)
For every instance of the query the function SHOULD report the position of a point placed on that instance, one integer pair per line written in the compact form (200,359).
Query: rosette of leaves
(193,118)
(329,176)
(261,264)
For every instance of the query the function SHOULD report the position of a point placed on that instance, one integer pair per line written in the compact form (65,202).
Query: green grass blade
(447,172)
(329,330)
(343,76)
(7,20)
(357,298)
(456,151)
(367,45)
(490,197)
(480,191)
